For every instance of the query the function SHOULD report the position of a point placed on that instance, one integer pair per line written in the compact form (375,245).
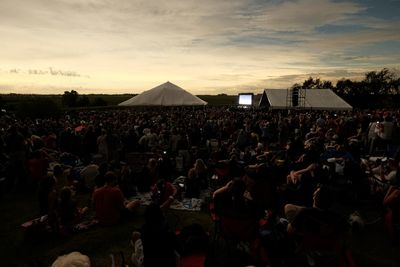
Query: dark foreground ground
(370,247)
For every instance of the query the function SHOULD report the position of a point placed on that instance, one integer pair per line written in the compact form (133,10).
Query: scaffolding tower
(295,98)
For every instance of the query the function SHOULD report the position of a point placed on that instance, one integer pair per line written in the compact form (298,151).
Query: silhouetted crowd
(276,179)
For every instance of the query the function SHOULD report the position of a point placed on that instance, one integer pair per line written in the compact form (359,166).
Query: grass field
(98,242)
(370,248)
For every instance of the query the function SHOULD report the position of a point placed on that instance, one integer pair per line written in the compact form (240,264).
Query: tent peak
(166,94)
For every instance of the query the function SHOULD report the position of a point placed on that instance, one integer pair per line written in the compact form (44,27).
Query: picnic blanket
(189,204)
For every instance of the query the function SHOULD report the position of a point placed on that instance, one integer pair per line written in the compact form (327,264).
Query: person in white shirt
(386,129)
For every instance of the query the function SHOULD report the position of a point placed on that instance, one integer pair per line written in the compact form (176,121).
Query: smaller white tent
(166,94)
(315,99)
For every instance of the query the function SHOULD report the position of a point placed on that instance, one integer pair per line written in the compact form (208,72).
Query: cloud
(48,71)
(306,15)
(133,45)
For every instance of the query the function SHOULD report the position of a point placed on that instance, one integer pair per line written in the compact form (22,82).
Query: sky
(205,47)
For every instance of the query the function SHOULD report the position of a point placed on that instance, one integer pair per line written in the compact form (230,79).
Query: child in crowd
(137,254)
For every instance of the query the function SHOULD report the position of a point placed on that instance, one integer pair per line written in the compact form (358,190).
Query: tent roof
(320,99)
(166,94)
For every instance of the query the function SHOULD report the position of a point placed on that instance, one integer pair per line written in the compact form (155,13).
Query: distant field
(11,101)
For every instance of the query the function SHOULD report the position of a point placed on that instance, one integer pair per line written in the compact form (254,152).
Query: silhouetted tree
(327,85)
(70,99)
(296,86)
(345,87)
(380,82)
(316,83)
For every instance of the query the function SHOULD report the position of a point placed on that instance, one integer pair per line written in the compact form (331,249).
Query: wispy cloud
(133,45)
(49,71)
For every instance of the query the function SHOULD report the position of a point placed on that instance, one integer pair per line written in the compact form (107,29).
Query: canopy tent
(166,94)
(315,99)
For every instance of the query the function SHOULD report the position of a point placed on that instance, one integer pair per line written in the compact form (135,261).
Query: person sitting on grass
(163,193)
(68,212)
(109,202)
(317,228)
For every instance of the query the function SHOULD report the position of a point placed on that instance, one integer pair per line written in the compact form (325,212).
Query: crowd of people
(282,167)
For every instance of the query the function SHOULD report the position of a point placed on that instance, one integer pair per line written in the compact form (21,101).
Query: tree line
(378,89)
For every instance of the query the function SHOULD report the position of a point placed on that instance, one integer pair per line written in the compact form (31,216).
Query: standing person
(48,200)
(102,146)
(385,132)
(201,173)
(149,176)
(109,202)
(16,149)
(89,142)
(192,184)
(158,239)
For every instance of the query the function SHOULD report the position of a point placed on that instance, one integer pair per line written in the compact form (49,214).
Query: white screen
(245,99)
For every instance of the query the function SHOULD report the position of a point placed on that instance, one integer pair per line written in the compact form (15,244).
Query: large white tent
(166,94)
(315,99)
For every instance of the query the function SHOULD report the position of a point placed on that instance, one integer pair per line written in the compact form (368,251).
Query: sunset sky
(206,47)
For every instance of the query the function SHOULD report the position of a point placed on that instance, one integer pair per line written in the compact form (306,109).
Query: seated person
(109,202)
(294,177)
(386,174)
(392,203)
(163,193)
(88,175)
(232,203)
(68,212)
(60,176)
(316,221)
(383,175)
